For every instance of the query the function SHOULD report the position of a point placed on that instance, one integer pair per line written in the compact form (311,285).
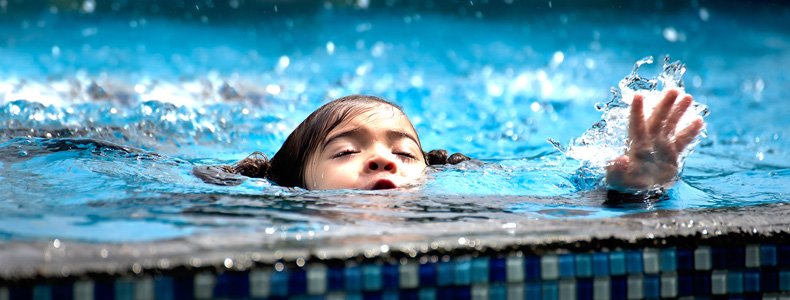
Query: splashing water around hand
(607,138)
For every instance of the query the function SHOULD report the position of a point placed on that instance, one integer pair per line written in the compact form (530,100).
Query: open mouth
(384,184)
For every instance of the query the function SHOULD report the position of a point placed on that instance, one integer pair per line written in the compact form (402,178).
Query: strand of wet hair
(255,165)
(440,157)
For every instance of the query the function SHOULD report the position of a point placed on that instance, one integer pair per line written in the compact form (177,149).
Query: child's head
(356,142)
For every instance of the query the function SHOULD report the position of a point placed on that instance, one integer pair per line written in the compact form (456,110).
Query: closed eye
(406,155)
(345,153)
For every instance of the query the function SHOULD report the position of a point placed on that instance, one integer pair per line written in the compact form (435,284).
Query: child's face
(377,149)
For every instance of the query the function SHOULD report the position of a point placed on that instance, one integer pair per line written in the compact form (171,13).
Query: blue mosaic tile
(42,292)
(719,258)
(20,292)
(718,282)
(425,294)
(334,277)
(600,264)
(279,284)
(735,258)
(584,265)
(184,287)
(103,290)
(567,266)
(768,281)
(702,258)
(617,263)
(427,274)
(124,290)
(634,262)
(463,275)
(497,291)
(549,267)
(753,256)
(389,276)
(352,277)
(685,260)
(532,268)
(619,288)
(784,280)
(371,277)
(462,293)
(784,256)
(409,275)
(768,255)
(497,270)
(584,289)
(751,281)
(652,287)
(409,294)
(685,285)
(479,272)
(163,288)
(734,282)
(65,292)
(669,260)
(669,285)
(230,285)
(532,290)
(445,274)
(550,290)
(445,293)
(702,284)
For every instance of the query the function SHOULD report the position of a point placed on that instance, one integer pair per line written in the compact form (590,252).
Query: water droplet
(24,153)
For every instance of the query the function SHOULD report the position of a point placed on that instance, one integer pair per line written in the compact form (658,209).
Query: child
(364,142)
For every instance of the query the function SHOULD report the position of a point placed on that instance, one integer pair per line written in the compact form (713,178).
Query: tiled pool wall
(722,269)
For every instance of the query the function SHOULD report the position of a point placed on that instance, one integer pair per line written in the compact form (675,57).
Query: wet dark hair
(288,166)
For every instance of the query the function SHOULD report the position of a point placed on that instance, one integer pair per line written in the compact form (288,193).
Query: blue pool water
(181,85)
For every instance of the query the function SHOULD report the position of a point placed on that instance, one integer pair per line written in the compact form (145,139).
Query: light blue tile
(549,267)
(42,292)
(424,294)
(652,261)
(784,280)
(617,263)
(567,264)
(601,264)
(636,287)
(550,291)
(463,272)
(718,282)
(567,289)
(371,277)
(753,256)
(602,289)
(515,269)
(703,259)
(669,285)
(480,270)
(735,282)
(668,260)
(445,273)
(635,263)
(584,265)
(768,255)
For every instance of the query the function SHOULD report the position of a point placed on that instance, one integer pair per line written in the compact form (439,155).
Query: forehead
(379,116)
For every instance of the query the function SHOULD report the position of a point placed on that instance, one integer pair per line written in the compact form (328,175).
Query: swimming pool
(166,87)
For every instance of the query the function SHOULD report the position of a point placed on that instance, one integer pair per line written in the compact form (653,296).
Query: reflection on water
(103,116)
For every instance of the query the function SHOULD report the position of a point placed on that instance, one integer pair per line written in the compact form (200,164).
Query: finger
(655,123)
(636,123)
(688,134)
(677,112)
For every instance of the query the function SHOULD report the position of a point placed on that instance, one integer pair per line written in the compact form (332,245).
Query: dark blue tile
(62,292)
(428,275)
(20,293)
(619,288)
(389,276)
(702,284)
(372,296)
(685,260)
(532,268)
(497,270)
(297,283)
(335,280)
(652,287)
(736,258)
(103,290)
(567,265)
(445,273)
(719,258)
(463,293)
(685,285)
(279,284)
(163,288)
(184,287)
(784,256)
(532,290)
(751,281)
(410,294)
(634,262)
(768,255)
(445,293)
(584,289)
(768,281)
(601,264)
(229,283)
(352,275)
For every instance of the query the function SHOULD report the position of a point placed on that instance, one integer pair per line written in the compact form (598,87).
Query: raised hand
(651,158)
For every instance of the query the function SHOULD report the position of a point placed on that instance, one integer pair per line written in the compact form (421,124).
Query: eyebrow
(358,133)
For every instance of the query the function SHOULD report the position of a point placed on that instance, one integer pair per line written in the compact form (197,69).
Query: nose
(381,163)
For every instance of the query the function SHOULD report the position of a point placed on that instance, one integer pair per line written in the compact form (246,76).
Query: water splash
(606,139)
